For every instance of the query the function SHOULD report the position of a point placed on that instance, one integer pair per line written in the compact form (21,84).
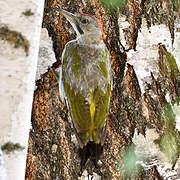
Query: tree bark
(52,153)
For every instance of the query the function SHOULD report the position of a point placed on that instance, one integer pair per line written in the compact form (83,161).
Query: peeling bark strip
(134,27)
(53,153)
(132,84)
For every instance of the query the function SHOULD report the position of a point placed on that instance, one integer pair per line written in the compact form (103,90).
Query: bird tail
(83,140)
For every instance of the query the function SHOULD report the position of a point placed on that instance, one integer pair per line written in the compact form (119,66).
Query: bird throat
(91,38)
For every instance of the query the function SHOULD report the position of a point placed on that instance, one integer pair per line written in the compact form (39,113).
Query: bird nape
(85,84)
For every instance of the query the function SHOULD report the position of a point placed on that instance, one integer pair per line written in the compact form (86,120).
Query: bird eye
(85,21)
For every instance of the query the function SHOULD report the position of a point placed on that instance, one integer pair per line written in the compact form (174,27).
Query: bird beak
(71,17)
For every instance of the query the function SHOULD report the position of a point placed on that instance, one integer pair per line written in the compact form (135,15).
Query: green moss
(28,12)
(103,69)
(169,69)
(170,117)
(130,168)
(15,38)
(169,144)
(167,63)
(114,4)
(176,101)
(10,147)
(168,141)
(176,5)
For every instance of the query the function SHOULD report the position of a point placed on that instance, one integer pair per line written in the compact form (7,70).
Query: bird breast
(86,67)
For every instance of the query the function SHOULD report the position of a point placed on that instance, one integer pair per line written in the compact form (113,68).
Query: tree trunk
(141,115)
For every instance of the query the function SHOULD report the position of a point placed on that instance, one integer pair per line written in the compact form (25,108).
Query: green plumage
(87,79)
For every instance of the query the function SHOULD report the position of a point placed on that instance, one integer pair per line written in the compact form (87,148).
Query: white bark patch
(3,174)
(46,54)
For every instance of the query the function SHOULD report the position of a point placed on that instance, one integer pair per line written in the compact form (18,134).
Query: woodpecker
(85,79)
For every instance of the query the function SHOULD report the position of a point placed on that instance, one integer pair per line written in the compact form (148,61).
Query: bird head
(86,26)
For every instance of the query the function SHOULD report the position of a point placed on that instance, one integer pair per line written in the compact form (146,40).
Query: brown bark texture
(51,153)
